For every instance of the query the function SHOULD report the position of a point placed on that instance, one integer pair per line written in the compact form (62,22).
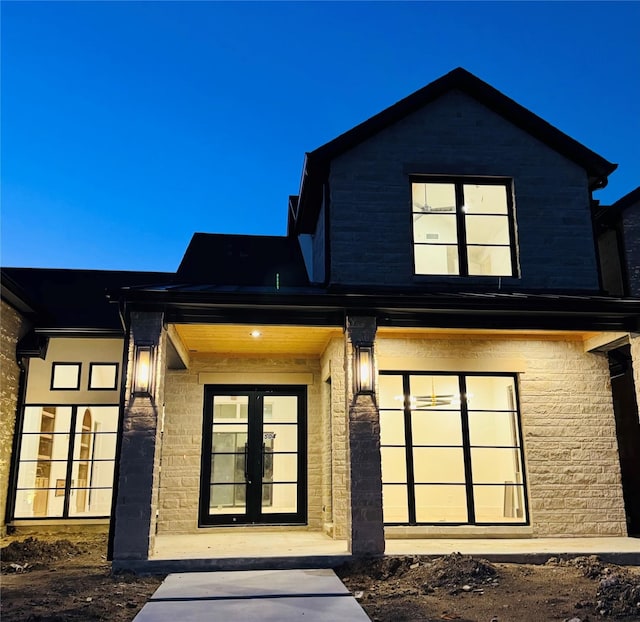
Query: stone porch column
(137,495)
(366,533)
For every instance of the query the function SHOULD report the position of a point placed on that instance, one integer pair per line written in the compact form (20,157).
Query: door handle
(263,460)
(246,463)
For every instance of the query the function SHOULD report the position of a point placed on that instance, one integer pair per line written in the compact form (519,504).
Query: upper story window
(463,227)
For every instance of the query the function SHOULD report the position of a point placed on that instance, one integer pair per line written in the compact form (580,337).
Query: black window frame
(462,245)
(56,364)
(103,364)
(69,488)
(466,447)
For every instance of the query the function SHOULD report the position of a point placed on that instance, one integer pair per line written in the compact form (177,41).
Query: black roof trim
(317,161)
(452,310)
(73,302)
(627,200)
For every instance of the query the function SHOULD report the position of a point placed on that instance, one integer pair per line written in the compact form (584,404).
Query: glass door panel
(256,467)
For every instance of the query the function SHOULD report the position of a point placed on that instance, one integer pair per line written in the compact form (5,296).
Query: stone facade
(14,327)
(337,487)
(571,457)
(370,220)
(182,437)
(134,525)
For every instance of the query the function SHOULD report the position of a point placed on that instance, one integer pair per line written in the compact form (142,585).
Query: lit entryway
(253,455)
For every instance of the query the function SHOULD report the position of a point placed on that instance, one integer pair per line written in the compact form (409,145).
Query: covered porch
(259,549)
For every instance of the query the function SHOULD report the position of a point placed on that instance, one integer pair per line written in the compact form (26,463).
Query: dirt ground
(49,579)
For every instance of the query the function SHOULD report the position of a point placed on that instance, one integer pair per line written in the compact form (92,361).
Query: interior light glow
(255,333)
(143,374)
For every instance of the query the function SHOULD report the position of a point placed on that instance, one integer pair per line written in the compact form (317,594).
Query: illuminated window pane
(435,229)
(394,465)
(436,259)
(390,391)
(394,504)
(441,504)
(438,465)
(487,230)
(499,504)
(435,392)
(485,199)
(489,260)
(103,376)
(436,428)
(391,427)
(493,429)
(433,197)
(65,376)
(495,465)
(490,393)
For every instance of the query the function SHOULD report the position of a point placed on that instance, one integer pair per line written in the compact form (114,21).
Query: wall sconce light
(364,369)
(143,375)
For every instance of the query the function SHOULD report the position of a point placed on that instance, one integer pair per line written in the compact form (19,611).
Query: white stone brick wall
(14,327)
(182,435)
(571,457)
(333,364)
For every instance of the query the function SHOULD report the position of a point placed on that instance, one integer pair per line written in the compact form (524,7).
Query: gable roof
(242,260)
(317,162)
(64,300)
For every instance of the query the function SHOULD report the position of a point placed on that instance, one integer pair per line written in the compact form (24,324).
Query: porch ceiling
(312,340)
(273,340)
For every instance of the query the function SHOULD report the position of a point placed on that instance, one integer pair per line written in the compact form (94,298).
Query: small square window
(65,376)
(103,376)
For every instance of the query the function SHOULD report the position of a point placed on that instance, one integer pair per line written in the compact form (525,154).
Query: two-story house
(426,353)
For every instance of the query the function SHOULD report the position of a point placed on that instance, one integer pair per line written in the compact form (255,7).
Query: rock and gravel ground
(67,579)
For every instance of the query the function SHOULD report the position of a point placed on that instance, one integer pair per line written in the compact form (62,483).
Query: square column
(134,519)
(366,533)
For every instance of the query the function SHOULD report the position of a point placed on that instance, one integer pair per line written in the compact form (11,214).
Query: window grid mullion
(72,442)
(408,442)
(463,263)
(466,449)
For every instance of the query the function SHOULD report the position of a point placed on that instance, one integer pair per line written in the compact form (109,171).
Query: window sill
(461,531)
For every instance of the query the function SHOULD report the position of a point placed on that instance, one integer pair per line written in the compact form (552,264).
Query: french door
(253,455)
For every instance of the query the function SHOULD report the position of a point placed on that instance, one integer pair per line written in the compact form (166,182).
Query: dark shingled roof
(318,161)
(242,260)
(62,299)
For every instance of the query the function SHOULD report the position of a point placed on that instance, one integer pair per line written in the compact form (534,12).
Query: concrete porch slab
(250,583)
(309,609)
(271,596)
(259,550)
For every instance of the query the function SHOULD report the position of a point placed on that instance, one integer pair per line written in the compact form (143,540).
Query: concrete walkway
(266,595)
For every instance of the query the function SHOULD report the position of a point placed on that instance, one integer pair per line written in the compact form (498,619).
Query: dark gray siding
(455,135)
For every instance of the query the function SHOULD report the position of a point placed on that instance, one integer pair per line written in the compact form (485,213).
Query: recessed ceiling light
(255,333)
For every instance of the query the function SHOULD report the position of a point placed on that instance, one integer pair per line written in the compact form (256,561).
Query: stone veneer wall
(182,437)
(338,486)
(571,458)
(14,326)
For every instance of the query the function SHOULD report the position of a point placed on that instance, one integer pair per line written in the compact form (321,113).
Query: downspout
(599,183)
(123,394)
(17,436)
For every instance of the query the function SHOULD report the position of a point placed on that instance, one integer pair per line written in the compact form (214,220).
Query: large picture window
(451,449)
(66,463)
(463,227)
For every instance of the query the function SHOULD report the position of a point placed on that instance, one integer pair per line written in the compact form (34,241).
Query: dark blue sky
(128,126)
